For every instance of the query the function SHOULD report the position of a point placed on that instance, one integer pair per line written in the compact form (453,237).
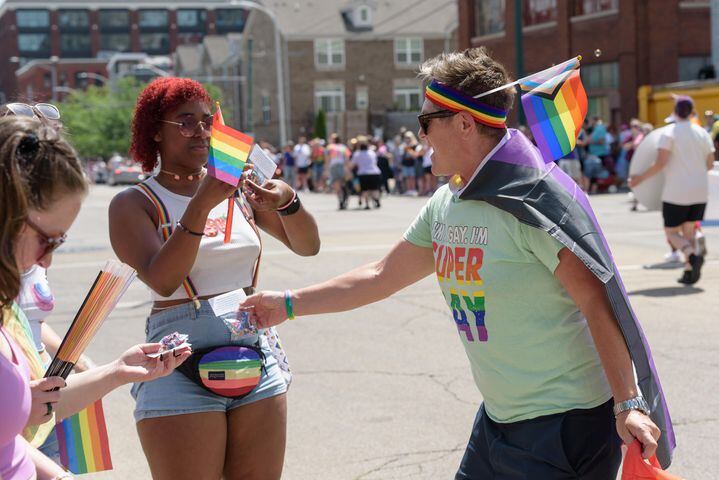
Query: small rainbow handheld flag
(229,150)
(83,443)
(555,104)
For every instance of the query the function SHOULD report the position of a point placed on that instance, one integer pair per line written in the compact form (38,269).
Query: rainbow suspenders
(166,227)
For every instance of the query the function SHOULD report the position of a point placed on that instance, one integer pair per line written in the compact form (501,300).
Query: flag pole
(578,58)
(231,199)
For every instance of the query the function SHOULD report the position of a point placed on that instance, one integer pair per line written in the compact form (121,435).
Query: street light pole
(53,76)
(278,63)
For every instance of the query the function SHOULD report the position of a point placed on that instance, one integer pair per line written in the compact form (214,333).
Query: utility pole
(715,34)
(519,45)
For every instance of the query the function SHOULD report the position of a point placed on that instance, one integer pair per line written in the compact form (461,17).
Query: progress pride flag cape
(517,180)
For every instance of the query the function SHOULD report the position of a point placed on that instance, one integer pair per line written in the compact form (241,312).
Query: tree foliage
(98,119)
(320,130)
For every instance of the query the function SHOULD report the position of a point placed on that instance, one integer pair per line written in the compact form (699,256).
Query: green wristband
(288,305)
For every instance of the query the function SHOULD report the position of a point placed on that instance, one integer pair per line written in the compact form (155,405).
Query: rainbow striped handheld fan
(109,286)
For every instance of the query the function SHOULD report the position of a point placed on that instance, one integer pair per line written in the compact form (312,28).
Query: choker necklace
(191,177)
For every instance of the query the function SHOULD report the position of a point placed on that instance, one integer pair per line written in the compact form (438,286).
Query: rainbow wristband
(288,305)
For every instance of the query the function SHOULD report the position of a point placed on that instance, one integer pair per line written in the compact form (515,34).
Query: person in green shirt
(544,346)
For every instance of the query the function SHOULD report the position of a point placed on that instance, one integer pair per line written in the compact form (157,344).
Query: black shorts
(675,215)
(427,170)
(370,182)
(303,170)
(578,444)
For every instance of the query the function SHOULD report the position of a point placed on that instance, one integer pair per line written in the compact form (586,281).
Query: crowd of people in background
(364,166)
(369,167)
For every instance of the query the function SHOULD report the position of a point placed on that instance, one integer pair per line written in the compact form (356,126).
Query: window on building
(330,98)
(191,19)
(690,68)
(75,45)
(586,7)
(488,16)
(230,19)
(47,80)
(34,44)
(32,18)
(599,106)
(407,99)
(190,38)
(600,75)
(153,18)
(329,52)
(266,109)
(114,20)
(408,51)
(362,98)
(363,16)
(115,42)
(74,20)
(155,43)
(540,11)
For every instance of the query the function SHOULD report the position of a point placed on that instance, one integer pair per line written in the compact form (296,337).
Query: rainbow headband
(452,99)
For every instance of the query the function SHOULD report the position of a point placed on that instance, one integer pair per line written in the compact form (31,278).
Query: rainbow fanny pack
(230,371)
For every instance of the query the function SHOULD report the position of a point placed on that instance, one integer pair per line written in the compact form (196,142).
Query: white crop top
(218,267)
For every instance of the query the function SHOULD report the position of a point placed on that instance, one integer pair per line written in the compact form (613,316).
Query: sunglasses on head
(50,244)
(39,110)
(190,127)
(426,118)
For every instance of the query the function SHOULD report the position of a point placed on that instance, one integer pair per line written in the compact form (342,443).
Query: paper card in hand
(264,164)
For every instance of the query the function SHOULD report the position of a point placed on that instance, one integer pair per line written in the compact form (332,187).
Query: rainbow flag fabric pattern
(84,447)
(229,150)
(231,371)
(555,104)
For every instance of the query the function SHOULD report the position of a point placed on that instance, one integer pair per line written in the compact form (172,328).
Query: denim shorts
(175,394)
(408,172)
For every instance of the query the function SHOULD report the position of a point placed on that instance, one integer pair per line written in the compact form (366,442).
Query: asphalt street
(385,392)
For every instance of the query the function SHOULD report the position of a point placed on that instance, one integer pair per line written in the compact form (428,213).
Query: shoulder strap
(165,226)
(239,200)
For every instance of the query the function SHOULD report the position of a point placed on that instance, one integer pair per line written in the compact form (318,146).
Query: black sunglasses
(191,126)
(50,244)
(426,118)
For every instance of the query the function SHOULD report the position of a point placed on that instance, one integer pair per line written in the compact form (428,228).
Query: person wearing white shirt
(303,158)
(686,154)
(369,174)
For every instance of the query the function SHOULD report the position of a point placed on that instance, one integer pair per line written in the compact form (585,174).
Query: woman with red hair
(170,229)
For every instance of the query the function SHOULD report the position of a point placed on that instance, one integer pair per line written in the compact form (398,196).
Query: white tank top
(218,267)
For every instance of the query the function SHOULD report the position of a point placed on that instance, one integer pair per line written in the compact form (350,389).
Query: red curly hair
(159,97)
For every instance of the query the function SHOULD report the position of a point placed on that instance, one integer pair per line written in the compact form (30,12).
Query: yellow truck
(656,102)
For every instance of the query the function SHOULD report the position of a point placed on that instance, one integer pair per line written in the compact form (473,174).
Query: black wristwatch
(291,208)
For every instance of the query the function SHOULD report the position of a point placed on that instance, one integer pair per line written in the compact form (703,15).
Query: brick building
(56,43)
(624,43)
(357,60)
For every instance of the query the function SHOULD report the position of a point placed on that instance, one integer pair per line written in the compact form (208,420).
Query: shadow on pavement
(663,266)
(668,291)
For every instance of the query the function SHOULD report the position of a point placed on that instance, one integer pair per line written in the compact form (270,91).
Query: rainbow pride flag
(229,150)
(555,104)
(84,447)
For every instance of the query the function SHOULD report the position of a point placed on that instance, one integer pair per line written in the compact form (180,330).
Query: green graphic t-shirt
(529,347)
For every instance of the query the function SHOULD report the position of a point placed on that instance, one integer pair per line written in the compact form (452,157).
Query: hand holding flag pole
(229,150)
